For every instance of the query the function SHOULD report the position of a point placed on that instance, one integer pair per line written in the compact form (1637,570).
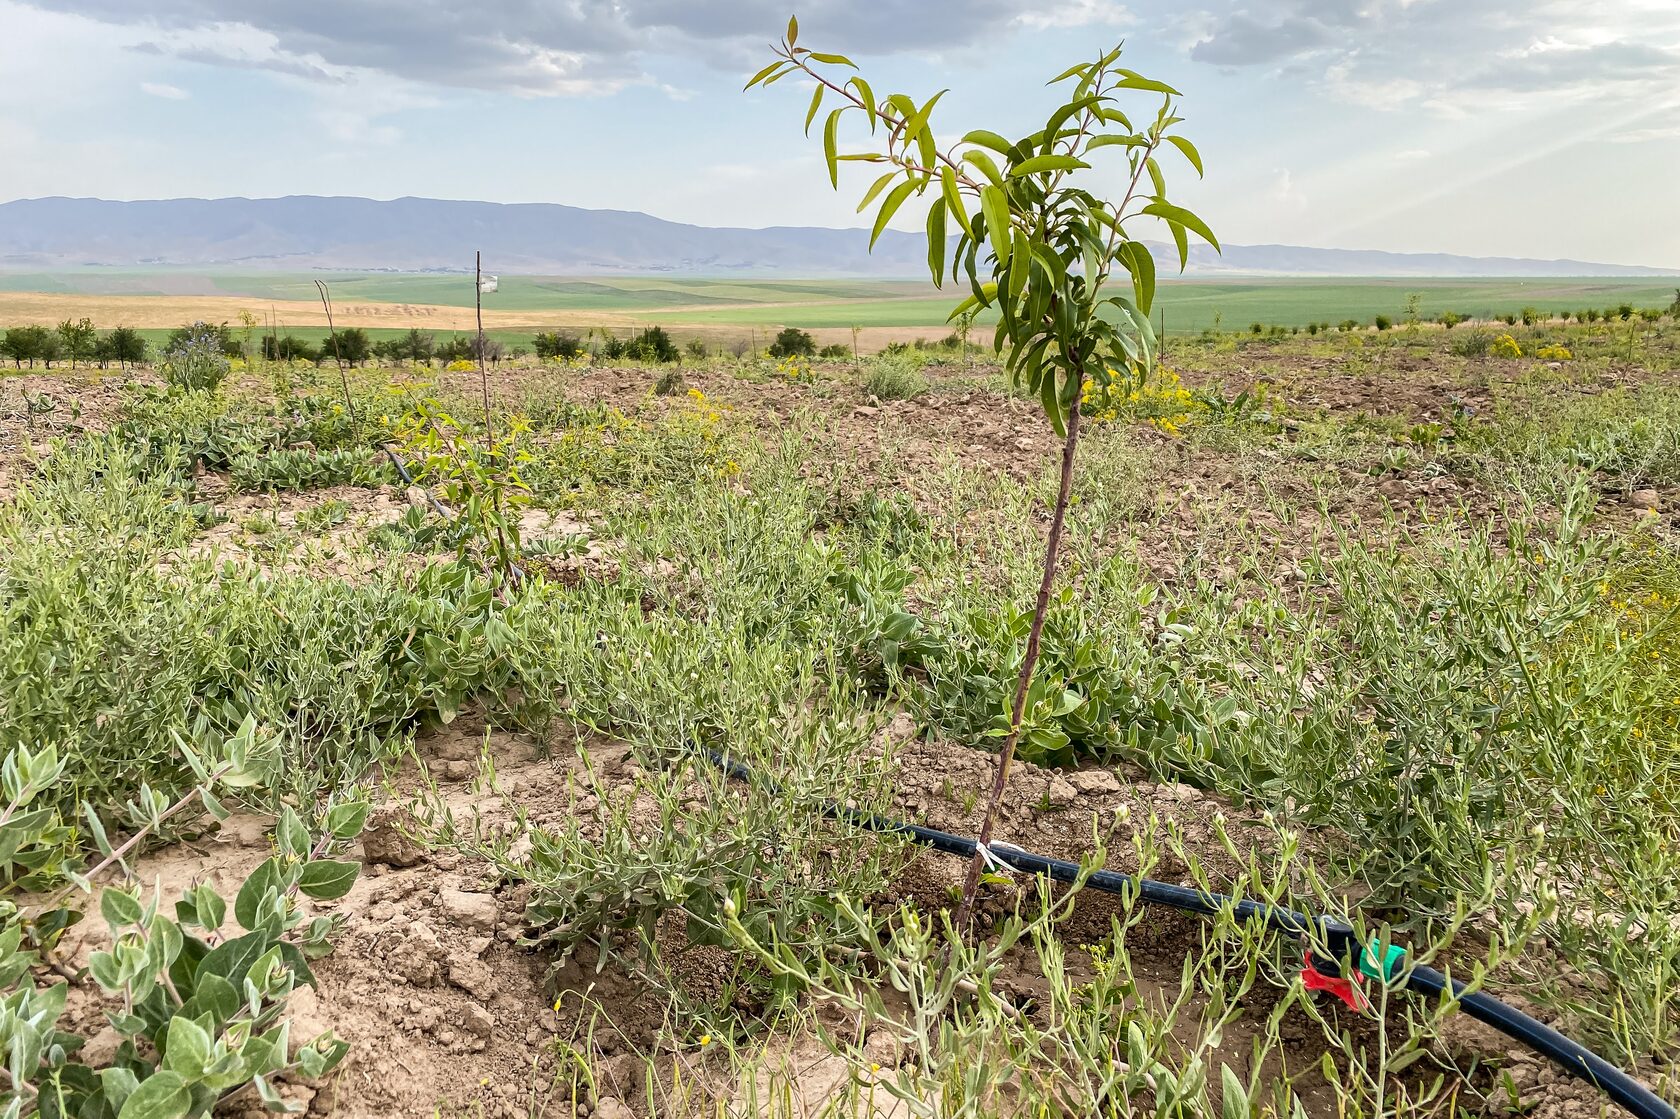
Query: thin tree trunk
(965,908)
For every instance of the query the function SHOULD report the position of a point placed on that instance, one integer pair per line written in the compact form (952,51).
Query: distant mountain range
(424,234)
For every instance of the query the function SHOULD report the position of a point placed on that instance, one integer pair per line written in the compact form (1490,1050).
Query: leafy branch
(1034,245)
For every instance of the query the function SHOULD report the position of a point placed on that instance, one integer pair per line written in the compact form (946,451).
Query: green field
(688,304)
(1191,306)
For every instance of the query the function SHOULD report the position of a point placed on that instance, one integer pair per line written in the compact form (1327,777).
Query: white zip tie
(991,860)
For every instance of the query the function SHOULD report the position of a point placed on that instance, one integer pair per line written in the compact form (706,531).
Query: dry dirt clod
(384,840)
(474,912)
(1059,792)
(479,1022)
(415,958)
(1645,501)
(1095,782)
(472,976)
(609,1108)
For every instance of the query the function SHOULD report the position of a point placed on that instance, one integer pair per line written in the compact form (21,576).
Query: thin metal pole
(483,375)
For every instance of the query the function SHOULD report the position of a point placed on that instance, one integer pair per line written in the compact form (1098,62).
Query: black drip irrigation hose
(408,480)
(1337,936)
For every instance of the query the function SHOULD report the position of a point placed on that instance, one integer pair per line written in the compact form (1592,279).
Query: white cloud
(545,48)
(1079,13)
(1646,135)
(1452,57)
(164,90)
(1386,94)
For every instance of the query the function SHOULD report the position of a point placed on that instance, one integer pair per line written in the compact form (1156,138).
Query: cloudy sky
(1543,128)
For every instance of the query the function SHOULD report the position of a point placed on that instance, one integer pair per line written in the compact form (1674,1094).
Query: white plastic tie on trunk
(991,860)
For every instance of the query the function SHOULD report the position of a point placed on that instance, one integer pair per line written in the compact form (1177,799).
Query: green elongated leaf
(1183,243)
(1155,177)
(1065,113)
(831,59)
(876,188)
(212,803)
(1073,380)
(1190,152)
(1114,116)
(326,879)
(289,833)
(212,910)
(1039,164)
(1110,140)
(793,30)
(994,204)
(988,140)
(895,199)
(262,882)
(1082,69)
(1178,215)
(831,141)
(1031,367)
(916,124)
(953,199)
(816,103)
(1408,1058)
(1051,402)
(1135,80)
(867,96)
(936,241)
(1020,264)
(987,167)
(96,828)
(1052,264)
(764,73)
(162,1095)
(1141,264)
(1233,1095)
(165,942)
(1141,331)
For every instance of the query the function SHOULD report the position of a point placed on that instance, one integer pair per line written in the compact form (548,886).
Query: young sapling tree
(1038,241)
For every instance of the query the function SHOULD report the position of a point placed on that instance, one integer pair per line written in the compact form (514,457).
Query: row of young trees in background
(79,342)
(1528,316)
(76,341)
